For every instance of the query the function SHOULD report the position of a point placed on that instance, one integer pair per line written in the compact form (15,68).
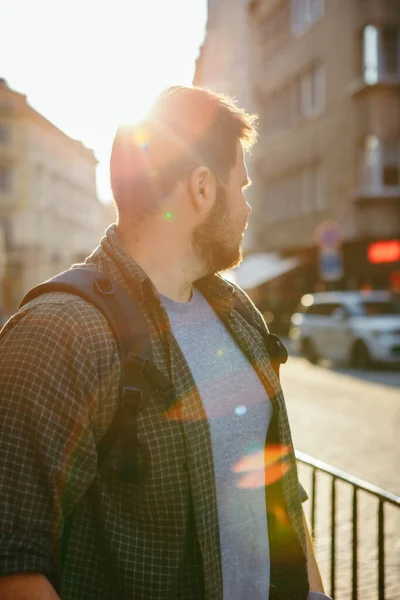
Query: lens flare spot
(262,477)
(168,215)
(220,352)
(257,460)
(251,462)
(240,410)
(142,139)
(262,468)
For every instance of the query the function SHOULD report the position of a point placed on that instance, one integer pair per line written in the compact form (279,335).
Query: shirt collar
(218,292)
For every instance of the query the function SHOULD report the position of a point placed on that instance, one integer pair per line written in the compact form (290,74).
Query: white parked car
(355,327)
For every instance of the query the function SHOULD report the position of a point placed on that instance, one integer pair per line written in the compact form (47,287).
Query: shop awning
(259,268)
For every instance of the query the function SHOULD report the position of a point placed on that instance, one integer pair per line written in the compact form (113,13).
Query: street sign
(330,264)
(329,234)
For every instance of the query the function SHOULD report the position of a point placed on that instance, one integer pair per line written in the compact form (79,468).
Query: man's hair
(186,127)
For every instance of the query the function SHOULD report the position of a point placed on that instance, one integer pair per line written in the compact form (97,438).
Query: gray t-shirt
(239,413)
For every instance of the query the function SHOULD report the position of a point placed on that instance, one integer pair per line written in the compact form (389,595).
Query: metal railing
(358,486)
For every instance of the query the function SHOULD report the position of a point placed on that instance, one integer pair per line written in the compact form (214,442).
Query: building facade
(325,81)
(223,64)
(50,215)
(224,61)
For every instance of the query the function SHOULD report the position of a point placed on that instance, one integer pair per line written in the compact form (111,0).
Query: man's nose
(249,209)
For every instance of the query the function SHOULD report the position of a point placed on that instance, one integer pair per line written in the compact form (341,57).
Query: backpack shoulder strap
(122,313)
(277,351)
(138,373)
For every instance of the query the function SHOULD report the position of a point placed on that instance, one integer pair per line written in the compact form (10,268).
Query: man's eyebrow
(246,183)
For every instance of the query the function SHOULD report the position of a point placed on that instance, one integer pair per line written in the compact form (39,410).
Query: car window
(370,308)
(325,309)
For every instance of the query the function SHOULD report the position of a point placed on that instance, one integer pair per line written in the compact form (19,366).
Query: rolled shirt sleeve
(49,386)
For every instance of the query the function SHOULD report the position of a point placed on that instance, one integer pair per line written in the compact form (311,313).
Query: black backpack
(139,375)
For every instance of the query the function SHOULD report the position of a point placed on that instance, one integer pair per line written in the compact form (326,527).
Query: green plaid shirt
(157,538)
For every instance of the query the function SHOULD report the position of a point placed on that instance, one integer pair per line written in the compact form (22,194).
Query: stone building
(324,78)
(50,216)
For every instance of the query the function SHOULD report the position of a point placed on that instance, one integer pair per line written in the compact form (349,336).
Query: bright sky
(88,65)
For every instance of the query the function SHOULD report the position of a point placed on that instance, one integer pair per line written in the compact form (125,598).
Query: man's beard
(214,240)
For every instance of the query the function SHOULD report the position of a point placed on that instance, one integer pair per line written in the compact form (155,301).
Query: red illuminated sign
(384,252)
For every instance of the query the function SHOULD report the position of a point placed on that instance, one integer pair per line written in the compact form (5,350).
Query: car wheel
(361,358)
(309,352)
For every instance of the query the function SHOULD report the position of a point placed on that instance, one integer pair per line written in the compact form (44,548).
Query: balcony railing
(377,193)
(358,487)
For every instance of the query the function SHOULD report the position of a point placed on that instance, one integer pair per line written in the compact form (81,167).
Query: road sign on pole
(329,234)
(330,264)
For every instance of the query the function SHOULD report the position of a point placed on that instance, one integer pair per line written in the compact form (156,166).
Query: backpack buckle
(142,364)
(132,398)
(104,286)
(277,349)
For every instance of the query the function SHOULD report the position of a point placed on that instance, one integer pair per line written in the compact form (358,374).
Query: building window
(5,180)
(391,162)
(303,98)
(380,163)
(312,92)
(371,55)
(390,50)
(298,194)
(305,13)
(381,54)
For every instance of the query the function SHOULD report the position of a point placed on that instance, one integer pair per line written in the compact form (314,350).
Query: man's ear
(202,188)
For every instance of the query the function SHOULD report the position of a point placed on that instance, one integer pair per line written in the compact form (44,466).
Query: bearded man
(209,518)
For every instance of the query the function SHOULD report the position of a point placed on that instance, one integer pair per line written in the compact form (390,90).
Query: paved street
(350,420)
